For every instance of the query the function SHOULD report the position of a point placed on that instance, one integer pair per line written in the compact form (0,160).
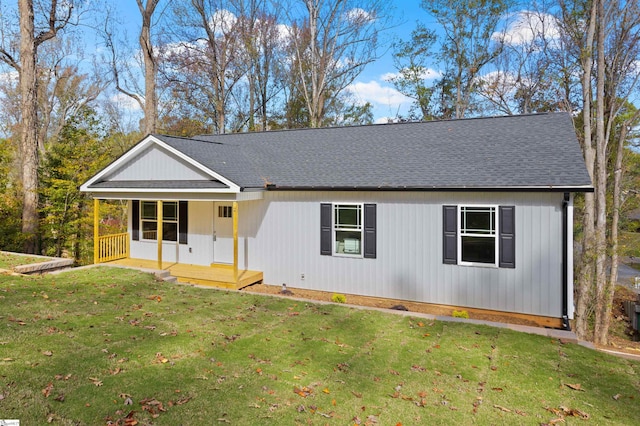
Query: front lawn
(110,346)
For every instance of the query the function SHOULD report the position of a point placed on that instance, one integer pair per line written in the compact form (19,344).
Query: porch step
(165,276)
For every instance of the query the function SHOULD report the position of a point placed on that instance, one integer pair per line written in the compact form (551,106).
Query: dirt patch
(622,337)
(404,305)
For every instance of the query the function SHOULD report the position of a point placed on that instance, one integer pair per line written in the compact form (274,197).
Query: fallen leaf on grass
(303,392)
(161,359)
(47,353)
(574,412)
(60,397)
(47,390)
(183,401)
(95,381)
(616,396)
(501,408)
(576,386)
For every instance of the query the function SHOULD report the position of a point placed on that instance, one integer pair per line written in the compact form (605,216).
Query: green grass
(629,244)
(77,348)
(10,261)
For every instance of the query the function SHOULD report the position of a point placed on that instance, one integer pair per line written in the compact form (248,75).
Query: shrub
(339,298)
(460,314)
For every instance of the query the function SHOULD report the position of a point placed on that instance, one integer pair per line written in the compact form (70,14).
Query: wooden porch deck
(215,275)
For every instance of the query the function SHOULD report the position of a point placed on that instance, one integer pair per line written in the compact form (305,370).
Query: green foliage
(460,314)
(72,159)
(10,199)
(339,298)
(411,58)
(466,47)
(76,346)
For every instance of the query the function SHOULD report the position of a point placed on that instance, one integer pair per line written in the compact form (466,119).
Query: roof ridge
(185,138)
(356,126)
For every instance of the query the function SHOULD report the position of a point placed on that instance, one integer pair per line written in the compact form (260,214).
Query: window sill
(347,255)
(479,265)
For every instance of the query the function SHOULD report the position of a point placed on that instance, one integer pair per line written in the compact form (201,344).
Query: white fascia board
(164,190)
(150,140)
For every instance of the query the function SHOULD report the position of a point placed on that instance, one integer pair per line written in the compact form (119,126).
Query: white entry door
(222,232)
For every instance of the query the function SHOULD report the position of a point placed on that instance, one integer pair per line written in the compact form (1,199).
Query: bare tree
(31,37)
(127,84)
(332,44)
(580,32)
(205,67)
(469,44)
(620,74)
(150,66)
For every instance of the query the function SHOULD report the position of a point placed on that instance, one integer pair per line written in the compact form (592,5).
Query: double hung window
(347,219)
(478,234)
(348,229)
(149,220)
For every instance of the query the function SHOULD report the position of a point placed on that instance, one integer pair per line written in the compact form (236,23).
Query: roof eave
(544,188)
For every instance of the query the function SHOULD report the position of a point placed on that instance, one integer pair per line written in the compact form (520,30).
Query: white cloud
(378,95)
(125,102)
(9,77)
(222,21)
(427,74)
(528,26)
(359,16)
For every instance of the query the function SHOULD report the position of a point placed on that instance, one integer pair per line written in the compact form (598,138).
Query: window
(149,220)
(348,230)
(347,219)
(225,211)
(478,234)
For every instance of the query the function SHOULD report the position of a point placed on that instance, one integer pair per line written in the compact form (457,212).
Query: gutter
(565,261)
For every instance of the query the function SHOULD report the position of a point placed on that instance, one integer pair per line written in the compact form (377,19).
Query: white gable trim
(141,146)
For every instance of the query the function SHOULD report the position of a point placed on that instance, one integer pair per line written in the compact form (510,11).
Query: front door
(222,232)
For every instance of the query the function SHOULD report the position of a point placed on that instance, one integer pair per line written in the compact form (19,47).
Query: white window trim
(156,220)
(334,229)
(495,236)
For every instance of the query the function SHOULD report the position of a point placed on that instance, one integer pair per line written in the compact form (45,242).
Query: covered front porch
(116,249)
(221,276)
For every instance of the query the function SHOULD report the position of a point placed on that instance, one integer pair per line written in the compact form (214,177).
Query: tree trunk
(29,128)
(602,307)
(615,214)
(150,67)
(584,295)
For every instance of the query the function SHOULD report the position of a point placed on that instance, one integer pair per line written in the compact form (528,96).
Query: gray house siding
(280,236)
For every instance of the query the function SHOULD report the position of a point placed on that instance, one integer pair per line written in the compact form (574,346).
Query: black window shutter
(325,229)
(183,221)
(507,235)
(135,220)
(450,235)
(370,231)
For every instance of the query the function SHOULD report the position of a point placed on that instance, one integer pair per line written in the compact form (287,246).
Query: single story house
(474,213)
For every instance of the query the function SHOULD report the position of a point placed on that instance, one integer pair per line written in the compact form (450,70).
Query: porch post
(96,230)
(234,214)
(159,234)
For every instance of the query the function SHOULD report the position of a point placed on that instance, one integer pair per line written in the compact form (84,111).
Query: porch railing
(113,247)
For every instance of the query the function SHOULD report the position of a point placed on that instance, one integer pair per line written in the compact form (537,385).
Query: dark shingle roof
(539,151)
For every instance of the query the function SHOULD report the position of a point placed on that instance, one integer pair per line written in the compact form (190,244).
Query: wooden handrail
(113,247)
